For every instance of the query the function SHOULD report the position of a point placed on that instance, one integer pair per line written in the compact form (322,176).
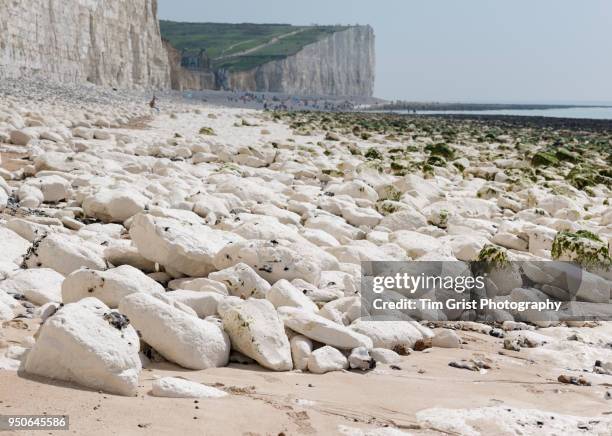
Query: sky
(515,51)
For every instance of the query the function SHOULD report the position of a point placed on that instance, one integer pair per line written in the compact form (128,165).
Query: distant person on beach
(153,104)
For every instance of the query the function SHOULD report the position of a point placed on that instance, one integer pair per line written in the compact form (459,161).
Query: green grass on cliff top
(223,40)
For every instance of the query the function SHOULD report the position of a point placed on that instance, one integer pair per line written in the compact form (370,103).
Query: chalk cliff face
(342,64)
(106,42)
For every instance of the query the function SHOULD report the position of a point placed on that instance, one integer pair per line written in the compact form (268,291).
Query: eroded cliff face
(342,64)
(106,42)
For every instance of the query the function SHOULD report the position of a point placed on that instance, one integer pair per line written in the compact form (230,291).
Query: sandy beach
(335,189)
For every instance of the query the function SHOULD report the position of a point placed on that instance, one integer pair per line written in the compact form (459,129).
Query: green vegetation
(223,43)
(544,159)
(494,255)
(442,150)
(582,247)
(207,131)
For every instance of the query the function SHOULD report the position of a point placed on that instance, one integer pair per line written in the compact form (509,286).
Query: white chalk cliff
(106,42)
(342,64)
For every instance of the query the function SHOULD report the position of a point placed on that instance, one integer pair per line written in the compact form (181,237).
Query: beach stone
(78,344)
(38,285)
(383,355)
(6,313)
(256,331)
(355,189)
(30,196)
(283,293)
(14,247)
(108,286)
(335,226)
(203,303)
(361,216)
(301,349)
(360,359)
(200,284)
(242,281)
(510,240)
(174,387)
(8,300)
(123,254)
(181,338)
(3,198)
(446,338)
(65,254)
(20,137)
(326,359)
(187,249)
(54,188)
(114,206)
(322,330)
(271,260)
(407,219)
(416,244)
(398,336)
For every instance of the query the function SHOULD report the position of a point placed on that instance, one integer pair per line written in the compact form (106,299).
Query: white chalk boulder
(173,387)
(326,359)
(65,254)
(114,205)
(283,293)
(184,247)
(108,286)
(322,330)
(38,285)
(181,338)
(257,332)
(242,281)
(84,343)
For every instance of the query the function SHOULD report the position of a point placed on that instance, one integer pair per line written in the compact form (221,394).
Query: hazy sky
(449,50)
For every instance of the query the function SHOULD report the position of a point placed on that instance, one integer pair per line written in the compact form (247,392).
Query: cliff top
(243,46)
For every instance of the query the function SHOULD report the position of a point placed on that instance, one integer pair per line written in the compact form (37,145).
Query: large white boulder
(326,359)
(38,285)
(126,254)
(184,247)
(322,330)
(242,281)
(301,349)
(53,187)
(108,286)
(446,338)
(256,331)
(86,344)
(65,254)
(406,219)
(181,338)
(393,335)
(173,387)
(417,244)
(14,247)
(200,284)
(114,205)
(270,259)
(283,293)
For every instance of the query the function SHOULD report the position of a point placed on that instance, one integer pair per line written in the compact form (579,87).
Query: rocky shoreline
(214,254)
